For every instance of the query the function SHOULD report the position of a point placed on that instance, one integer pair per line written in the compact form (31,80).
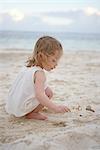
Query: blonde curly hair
(46,45)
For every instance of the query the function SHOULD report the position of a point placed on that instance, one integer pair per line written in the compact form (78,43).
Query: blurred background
(76,23)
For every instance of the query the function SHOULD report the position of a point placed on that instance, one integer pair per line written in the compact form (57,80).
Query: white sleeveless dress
(21,99)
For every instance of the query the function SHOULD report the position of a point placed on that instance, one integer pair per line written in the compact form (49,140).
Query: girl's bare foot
(37,116)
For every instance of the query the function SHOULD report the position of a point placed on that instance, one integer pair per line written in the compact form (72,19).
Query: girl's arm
(42,97)
(40,91)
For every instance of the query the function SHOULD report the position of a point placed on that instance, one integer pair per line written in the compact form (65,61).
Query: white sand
(76,83)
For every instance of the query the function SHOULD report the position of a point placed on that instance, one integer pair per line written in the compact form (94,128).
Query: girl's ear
(40,57)
(40,54)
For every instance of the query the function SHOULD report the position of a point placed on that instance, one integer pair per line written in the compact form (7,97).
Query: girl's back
(22,92)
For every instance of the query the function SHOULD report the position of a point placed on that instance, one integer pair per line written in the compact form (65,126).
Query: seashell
(89,108)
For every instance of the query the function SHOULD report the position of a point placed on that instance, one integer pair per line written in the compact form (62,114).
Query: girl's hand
(62,109)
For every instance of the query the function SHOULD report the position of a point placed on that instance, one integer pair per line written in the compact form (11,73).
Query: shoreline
(30,51)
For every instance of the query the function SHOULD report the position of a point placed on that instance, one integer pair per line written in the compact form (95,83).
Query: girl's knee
(49,93)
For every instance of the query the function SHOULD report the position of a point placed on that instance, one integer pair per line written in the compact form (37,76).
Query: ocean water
(19,40)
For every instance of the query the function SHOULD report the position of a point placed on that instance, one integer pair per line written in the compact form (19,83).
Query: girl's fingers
(68,110)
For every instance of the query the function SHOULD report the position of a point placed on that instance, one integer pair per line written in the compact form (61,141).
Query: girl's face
(51,61)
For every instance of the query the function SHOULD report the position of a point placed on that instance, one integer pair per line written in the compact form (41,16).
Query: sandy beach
(76,83)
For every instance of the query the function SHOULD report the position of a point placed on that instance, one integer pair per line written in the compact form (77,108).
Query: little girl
(29,93)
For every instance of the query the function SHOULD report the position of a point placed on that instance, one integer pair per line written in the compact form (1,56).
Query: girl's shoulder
(33,69)
(39,70)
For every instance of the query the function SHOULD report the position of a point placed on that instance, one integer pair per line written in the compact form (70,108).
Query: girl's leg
(35,113)
(49,92)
